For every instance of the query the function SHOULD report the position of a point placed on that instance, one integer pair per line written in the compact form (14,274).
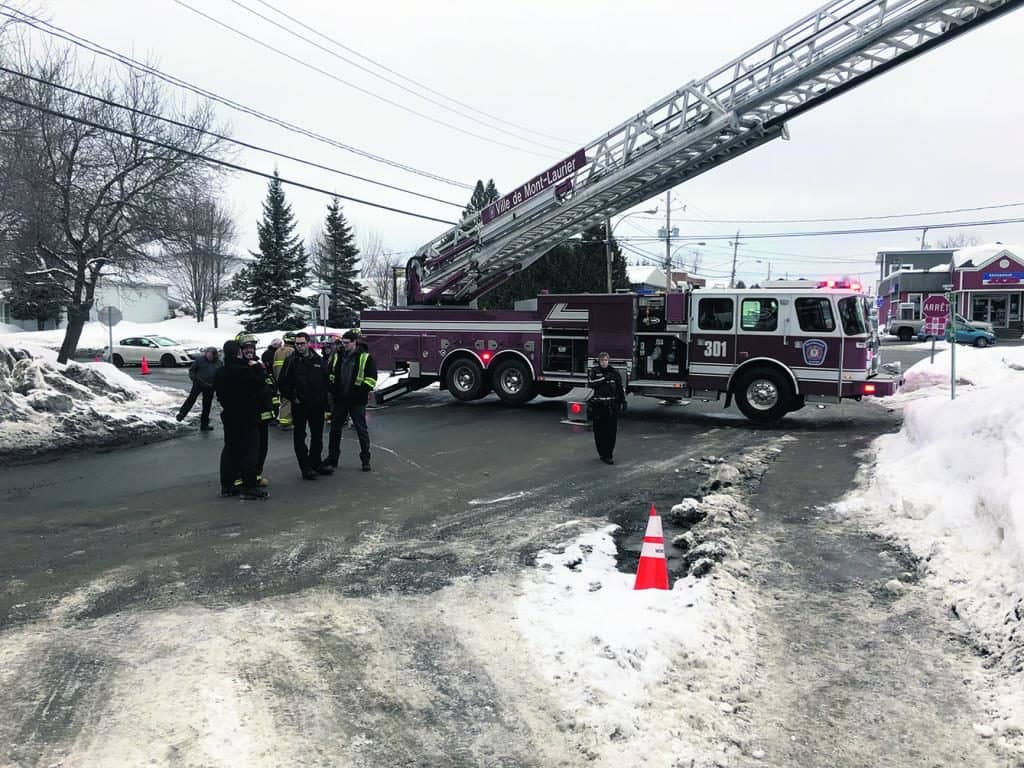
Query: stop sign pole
(951,298)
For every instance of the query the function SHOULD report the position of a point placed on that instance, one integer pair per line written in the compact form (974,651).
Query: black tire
(905,334)
(117,360)
(981,342)
(168,361)
(465,380)
(796,403)
(512,382)
(764,395)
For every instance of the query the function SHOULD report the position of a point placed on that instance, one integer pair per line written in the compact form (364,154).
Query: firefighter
(267,358)
(269,403)
(352,375)
(287,349)
(608,400)
(239,386)
(303,381)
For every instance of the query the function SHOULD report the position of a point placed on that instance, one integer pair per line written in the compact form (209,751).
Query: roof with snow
(976,255)
(645,275)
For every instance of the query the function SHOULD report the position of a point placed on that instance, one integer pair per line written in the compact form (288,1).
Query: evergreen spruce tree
(271,285)
(483,195)
(336,267)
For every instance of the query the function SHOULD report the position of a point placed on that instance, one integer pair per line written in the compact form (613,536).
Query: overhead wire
(377,75)
(360,89)
(45,27)
(222,137)
(425,87)
(214,160)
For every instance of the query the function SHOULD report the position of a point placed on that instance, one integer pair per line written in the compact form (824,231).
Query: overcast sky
(935,133)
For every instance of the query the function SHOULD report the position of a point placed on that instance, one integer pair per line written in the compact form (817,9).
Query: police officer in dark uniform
(303,381)
(239,386)
(608,399)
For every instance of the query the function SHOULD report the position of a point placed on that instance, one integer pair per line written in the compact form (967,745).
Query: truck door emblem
(561,312)
(815,351)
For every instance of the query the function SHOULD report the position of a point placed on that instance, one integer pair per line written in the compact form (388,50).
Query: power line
(343,81)
(878,217)
(409,79)
(52,30)
(379,76)
(213,160)
(862,231)
(222,137)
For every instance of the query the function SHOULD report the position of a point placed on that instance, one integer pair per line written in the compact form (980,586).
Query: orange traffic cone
(145,367)
(652,573)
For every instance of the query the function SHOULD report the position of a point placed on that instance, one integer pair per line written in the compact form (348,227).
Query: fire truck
(772,350)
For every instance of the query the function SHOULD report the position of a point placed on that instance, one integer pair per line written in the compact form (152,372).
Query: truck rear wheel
(764,395)
(905,334)
(513,382)
(465,380)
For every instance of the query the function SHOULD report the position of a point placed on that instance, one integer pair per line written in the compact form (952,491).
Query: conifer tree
(483,195)
(336,267)
(271,284)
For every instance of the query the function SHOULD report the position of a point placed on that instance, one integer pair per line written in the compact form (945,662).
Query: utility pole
(608,253)
(769,271)
(735,248)
(668,241)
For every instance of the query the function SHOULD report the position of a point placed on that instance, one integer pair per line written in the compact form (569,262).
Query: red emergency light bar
(850,284)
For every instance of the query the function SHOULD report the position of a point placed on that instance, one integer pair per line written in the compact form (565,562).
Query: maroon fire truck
(773,350)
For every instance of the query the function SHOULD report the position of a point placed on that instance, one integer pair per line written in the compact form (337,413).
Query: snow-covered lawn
(46,406)
(947,485)
(181,329)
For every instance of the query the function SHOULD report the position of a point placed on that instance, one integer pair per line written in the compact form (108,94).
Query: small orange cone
(145,367)
(652,573)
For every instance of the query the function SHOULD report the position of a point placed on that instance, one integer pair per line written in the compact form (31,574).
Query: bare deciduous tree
(110,178)
(959,240)
(198,261)
(378,268)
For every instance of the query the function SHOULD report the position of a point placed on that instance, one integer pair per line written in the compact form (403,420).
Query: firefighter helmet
(289,339)
(247,340)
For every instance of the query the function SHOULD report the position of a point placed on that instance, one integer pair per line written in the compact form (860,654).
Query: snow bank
(653,677)
(46,406)
(947,485)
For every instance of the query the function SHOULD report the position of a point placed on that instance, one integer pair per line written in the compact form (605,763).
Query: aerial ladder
(703,124)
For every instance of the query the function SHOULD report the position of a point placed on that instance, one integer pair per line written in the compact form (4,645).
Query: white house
(140,301)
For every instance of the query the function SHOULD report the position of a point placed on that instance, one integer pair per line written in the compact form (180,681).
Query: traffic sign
(110,316)
(935,307)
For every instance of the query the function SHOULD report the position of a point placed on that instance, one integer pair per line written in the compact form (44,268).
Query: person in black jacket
(239,386)
(269,401)
(608,399)
(352,374)
(303,381)
(201,372)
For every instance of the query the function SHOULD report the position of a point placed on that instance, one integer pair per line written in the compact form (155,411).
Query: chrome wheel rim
(511,381)
(464,378)
(762,394)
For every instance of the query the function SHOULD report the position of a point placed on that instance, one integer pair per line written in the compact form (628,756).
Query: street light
(668,264)
(608,231)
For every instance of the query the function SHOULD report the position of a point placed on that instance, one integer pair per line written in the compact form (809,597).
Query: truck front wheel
(764,395)
(465,380)
(513,382)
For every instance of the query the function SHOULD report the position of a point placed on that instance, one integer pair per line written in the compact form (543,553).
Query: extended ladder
(699,126)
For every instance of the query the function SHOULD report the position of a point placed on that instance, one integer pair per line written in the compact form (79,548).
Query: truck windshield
(851,313)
